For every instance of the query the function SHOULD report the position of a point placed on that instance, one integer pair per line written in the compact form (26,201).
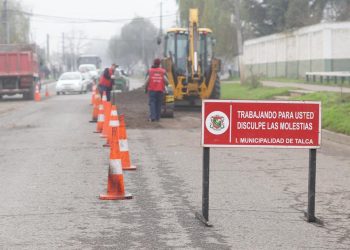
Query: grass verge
(280,79)
(239,92)
(335,110)
(335,107)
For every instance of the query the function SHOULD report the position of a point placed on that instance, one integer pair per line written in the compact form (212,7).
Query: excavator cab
(190,64)
(176,47)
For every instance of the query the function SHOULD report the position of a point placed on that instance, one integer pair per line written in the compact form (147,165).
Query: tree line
(137,43)
(19,25)
(272,16)
(260,17)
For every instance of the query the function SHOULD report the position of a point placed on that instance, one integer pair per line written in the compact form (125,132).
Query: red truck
(19,70)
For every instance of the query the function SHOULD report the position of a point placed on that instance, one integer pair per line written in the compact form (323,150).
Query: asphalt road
(53,168)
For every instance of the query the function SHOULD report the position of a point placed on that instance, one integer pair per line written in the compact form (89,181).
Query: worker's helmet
(156,62)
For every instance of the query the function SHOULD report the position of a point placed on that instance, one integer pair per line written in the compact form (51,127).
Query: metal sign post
(267,124)
(310,216)
(204,216)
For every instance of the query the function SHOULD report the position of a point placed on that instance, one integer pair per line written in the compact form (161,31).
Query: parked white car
(71,82)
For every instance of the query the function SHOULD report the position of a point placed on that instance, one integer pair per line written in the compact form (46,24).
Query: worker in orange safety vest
(107,81)
(155,87)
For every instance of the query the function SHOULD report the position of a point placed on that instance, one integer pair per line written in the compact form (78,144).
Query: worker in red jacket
(106,81)
(155,87)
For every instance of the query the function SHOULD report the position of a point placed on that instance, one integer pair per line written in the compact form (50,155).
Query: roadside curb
(307,86)
(335,137)
(47,82)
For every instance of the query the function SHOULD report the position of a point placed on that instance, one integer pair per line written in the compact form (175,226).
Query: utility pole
(6,23)
(161,19)
(143,47)
(3,22)
(48,47)
(239,40)
(159,39)
(63,53)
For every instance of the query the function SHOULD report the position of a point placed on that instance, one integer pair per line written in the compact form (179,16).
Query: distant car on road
(121,81)
(90,59)
(71,82)
(88,68)
(90,72)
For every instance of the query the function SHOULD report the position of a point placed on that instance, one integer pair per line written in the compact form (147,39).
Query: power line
(63,19)
(102,39)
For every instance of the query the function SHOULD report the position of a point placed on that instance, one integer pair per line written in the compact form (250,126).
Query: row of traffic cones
(112,127)
(37,95)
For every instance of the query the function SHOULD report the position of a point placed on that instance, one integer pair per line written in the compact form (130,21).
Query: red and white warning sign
(286,124)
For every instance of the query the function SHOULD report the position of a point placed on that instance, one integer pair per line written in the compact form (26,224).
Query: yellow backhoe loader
(190,64)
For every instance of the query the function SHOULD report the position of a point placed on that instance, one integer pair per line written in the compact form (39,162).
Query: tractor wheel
(216,93)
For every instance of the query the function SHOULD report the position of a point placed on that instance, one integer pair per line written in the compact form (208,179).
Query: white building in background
(321,47)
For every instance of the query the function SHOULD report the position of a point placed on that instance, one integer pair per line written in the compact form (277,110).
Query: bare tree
(77,42)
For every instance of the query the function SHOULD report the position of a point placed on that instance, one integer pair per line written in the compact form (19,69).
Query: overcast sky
(90,9)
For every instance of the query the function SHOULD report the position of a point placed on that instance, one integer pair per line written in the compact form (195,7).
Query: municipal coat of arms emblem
(217,122)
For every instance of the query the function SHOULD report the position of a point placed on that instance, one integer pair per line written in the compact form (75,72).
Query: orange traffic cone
(37,96)
(93,93)
(107,110)
(100,119)
(104,103)
(104,99)
(47,94)
(97,103)
(115,186)
(123,144)
(113,122)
